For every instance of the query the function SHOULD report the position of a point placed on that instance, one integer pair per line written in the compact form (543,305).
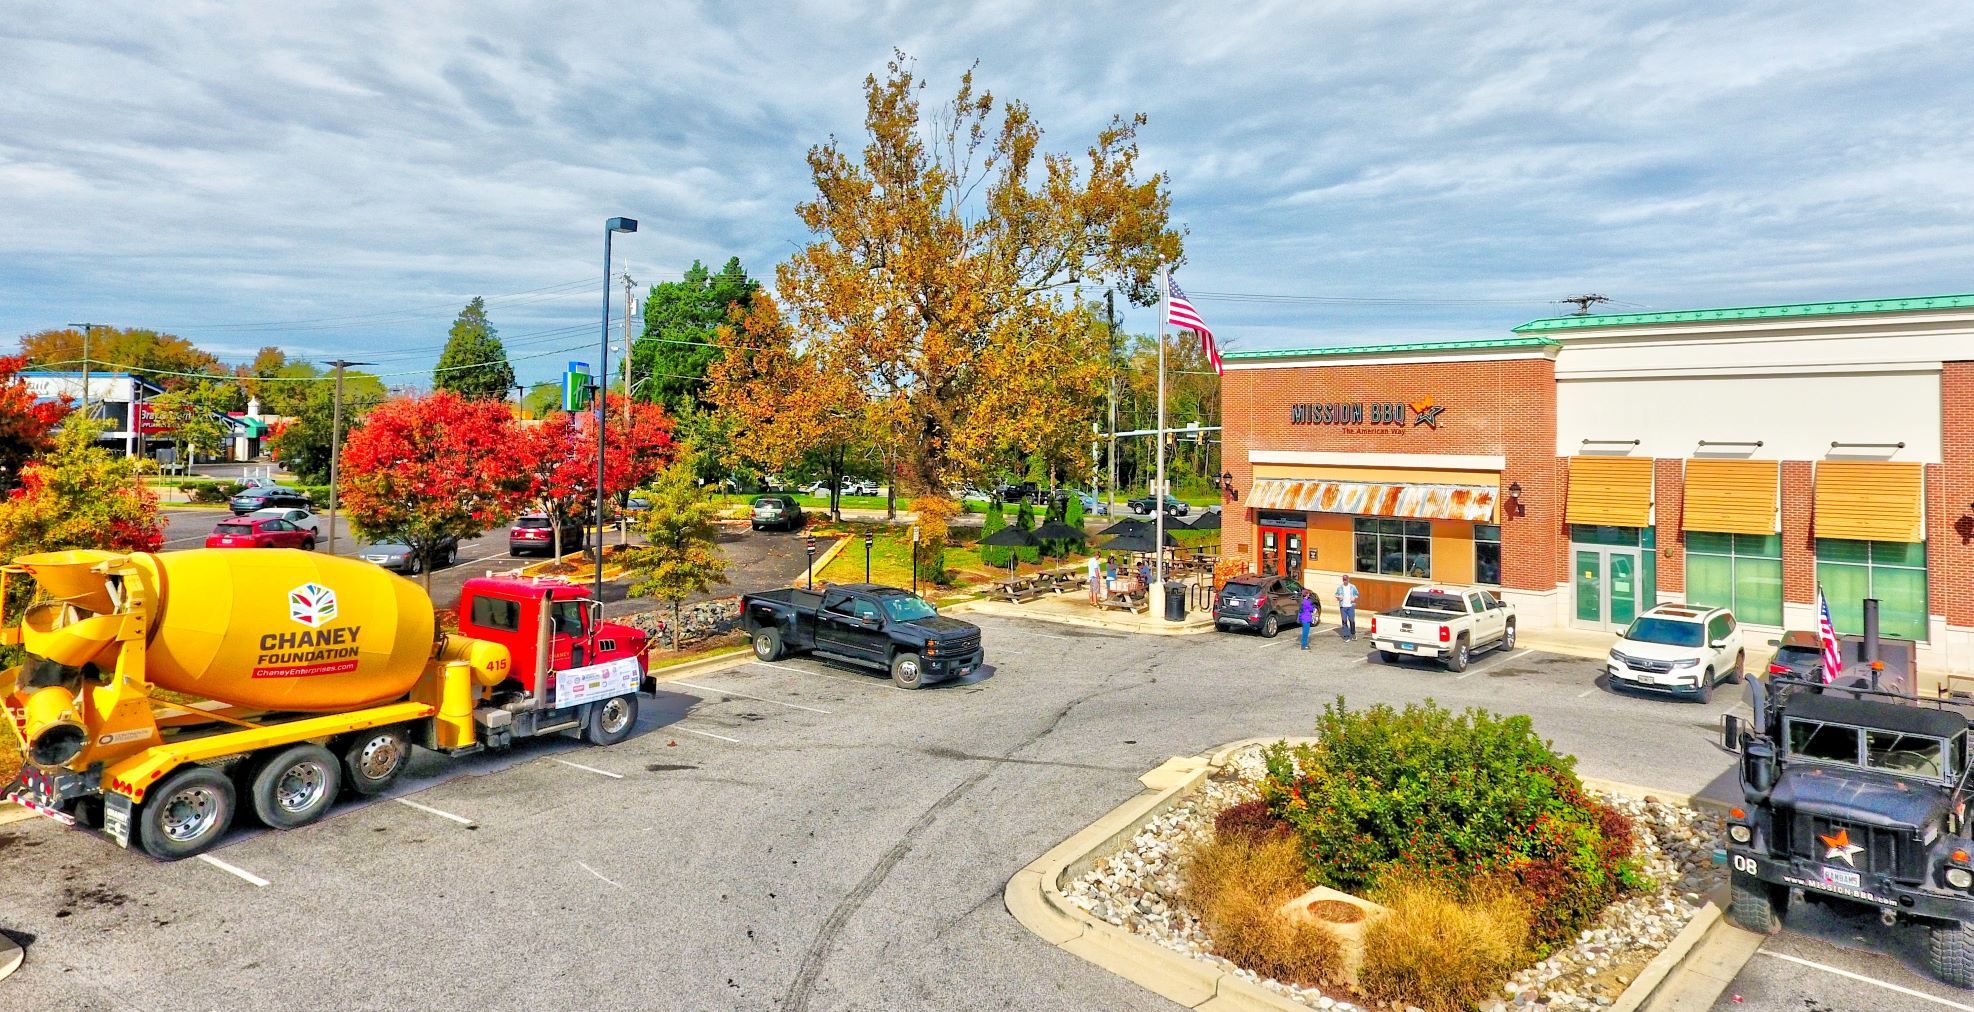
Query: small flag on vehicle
(1181,314)
(1826,637)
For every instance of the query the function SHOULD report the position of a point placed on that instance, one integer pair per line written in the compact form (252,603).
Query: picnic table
(1018,589)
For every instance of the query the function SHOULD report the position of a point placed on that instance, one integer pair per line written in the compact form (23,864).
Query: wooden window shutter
(1610,491)
(1731,496)
(1871,500)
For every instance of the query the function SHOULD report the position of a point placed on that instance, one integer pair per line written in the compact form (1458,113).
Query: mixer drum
(281,629)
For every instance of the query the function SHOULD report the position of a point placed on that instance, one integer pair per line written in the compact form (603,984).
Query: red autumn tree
(559,456)
(25,425)
(429,468)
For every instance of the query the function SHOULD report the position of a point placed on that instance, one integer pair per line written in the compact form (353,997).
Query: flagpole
(1158,495)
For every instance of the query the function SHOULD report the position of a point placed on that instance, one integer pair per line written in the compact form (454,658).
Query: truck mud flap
(117,811)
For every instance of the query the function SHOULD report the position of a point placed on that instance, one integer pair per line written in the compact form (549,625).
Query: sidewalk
(1586,643)
(1075,609)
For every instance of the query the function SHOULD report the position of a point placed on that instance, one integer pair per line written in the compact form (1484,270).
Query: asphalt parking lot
(795,835)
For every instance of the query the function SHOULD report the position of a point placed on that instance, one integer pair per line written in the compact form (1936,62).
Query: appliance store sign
(1394,414)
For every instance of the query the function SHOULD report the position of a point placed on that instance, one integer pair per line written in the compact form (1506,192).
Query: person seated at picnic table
(1144,576)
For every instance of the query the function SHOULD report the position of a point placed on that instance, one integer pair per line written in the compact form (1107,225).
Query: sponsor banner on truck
(597,681)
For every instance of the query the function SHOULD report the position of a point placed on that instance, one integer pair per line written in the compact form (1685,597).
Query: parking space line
(1862,979)
(743,695)
(462,820)
(706,734)
(598,874)
(1586,692)
(251,878)
(590,769)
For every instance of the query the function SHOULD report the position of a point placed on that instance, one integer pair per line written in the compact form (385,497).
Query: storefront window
(1487,554)
(1739,572)
(1893,572)
(1394,547)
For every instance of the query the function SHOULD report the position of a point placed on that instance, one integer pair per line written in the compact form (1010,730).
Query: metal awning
(1377,499)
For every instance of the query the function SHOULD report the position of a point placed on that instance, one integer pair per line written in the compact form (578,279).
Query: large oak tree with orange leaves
(943,279)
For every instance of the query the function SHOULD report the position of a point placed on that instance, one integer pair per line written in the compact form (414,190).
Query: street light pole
(336,447)
(85,328)
(610,228)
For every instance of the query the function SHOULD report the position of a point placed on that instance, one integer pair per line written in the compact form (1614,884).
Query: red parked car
(261,532)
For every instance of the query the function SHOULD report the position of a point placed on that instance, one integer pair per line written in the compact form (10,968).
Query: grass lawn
(891,558)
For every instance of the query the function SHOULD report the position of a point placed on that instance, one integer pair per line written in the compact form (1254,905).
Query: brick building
(1593,466)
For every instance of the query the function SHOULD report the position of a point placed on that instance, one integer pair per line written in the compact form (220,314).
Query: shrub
(317,494)
(994,555)
(1438,952)
(206,490)
(1250,820)
(1427,794)
(1236,886)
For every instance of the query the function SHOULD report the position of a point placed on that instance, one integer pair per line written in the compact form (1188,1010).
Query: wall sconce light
(1515,491)
(1227,489)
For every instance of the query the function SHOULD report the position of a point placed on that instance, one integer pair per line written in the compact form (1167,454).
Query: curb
(703,665)
(997,608)
(1034,896)
(11,956)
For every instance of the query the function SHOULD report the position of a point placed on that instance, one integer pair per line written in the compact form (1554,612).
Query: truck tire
(908,671)
(373,760)
(1508,638)
(1457,657)
(186,813)
(1756,905)
(296,786)
(612,720)
(767,643)
(1270,625)
(1950,952)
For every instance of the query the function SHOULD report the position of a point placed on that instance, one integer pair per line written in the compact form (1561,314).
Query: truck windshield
(1666,631)
(1918,755)
(907,609)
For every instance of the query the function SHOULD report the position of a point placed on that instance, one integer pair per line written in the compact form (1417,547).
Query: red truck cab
(510,611)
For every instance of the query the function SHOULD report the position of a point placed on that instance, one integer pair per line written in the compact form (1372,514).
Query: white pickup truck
(1445,623)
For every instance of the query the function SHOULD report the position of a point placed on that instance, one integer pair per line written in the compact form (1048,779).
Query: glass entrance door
(1271,552)
(1292,556)
(1607,586)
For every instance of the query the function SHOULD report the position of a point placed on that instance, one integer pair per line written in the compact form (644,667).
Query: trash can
(1175,601)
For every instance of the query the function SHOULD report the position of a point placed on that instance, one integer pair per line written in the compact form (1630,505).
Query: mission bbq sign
(1381,414)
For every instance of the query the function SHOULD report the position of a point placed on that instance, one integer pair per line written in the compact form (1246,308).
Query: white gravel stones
(1137,888)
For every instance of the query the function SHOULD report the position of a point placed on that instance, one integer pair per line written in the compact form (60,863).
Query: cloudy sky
(338,178)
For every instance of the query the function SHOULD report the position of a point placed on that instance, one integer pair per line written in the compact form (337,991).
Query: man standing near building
(1347,609)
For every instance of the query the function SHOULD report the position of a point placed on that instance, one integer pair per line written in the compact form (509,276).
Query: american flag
(1181,314)
(1826,636)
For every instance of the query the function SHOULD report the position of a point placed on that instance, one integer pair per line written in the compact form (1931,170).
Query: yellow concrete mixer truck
(288,678)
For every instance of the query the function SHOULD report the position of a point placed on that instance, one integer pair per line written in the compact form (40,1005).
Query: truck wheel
(296,786)
(611,721)
(1740,664)
(187,813)
(373,760)
(907,671)
(767,643)
(1270,625)
(1756,905)
(1456,659)
(1508,638)
(1950,952)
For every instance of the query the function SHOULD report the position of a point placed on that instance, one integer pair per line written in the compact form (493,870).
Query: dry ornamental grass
(1235,885)
(1439,953)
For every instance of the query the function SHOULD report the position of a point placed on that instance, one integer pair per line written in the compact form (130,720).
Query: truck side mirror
(595,615)
(1730,732)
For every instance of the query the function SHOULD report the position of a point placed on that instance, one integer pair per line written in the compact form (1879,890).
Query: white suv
(1681,649)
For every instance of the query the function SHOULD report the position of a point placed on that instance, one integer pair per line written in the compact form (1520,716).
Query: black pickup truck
(867,624)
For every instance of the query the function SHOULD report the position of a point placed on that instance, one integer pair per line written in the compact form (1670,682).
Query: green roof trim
(1750,313)
(1382,349)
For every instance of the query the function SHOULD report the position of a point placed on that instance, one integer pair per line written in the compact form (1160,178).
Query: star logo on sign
(1841,847)
(1426,413)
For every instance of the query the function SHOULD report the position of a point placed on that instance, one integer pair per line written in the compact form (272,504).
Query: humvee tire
(1756,905)
(1950,952)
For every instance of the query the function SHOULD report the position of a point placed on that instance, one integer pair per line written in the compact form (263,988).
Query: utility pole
(630,307)
(1583,303)
(1110,319)
(85,328)
(336,447)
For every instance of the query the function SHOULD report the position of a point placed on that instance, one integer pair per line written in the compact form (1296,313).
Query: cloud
(208,165)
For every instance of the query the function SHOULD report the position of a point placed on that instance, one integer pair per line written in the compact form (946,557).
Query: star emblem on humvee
(1841,847)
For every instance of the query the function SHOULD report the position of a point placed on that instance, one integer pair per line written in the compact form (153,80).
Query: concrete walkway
(1075,609)
(1586,643)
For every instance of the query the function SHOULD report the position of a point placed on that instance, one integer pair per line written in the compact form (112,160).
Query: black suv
(1855,793)
(1173,507)
(1258,602)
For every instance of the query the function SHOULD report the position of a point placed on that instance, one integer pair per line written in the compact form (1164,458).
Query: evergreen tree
(1025,519)
(474,365)
(669,362)
(994,555)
